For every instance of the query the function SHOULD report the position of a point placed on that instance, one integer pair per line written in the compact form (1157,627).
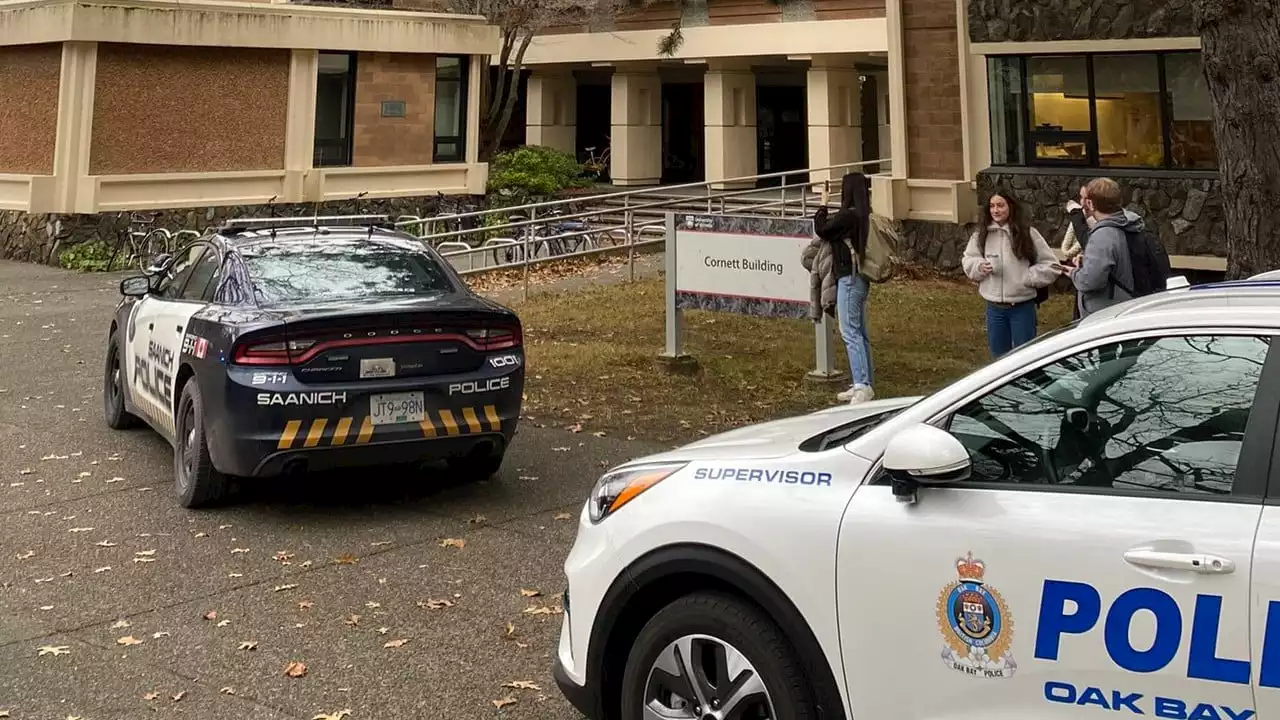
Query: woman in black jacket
(846,230)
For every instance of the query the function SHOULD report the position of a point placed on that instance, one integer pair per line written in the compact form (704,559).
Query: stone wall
(1028,20)
(1186,213)
(40,238)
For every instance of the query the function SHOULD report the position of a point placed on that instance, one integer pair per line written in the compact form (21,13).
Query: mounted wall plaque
(393,108)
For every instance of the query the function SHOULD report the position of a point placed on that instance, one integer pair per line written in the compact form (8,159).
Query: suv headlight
(619,487)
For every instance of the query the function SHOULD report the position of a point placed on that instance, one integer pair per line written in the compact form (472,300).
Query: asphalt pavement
(384,593)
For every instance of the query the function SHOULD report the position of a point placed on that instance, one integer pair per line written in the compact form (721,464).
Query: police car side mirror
(136,286)
(924,455)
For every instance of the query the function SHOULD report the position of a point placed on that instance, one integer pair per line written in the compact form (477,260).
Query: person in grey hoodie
(1105,271)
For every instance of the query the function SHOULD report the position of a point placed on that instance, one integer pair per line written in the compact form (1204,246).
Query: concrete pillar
(635,143)
(882,115)
(300,128)
(729,99)
(74,136)
(834,118)
(551,110)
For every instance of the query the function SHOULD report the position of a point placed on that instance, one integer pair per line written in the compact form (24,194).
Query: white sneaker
(846,395)
(861,395)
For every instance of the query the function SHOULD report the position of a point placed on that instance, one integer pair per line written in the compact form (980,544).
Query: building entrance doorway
(683,133)
(782,135)
(594,123)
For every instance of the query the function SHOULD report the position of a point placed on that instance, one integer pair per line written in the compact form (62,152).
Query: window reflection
(450,111)
(1164,415)
(1190,113)
(1058,89)
(1127,92)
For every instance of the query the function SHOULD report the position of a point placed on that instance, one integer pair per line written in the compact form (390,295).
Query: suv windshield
(329,269)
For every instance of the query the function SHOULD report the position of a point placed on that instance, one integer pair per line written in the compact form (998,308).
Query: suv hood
(776,438)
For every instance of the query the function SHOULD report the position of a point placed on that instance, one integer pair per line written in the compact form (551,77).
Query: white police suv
(1087,527)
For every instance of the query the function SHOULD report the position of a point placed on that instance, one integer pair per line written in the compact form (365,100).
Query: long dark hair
(1019,230)
(855,195)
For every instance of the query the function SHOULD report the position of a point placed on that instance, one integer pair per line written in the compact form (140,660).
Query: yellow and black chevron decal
(352,431)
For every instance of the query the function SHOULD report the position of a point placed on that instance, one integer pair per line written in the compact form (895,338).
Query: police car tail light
(495,338)
(275,352)
(619,487)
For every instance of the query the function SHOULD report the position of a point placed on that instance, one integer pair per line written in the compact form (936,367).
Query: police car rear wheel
(113,389)
(196,481)
(710,656)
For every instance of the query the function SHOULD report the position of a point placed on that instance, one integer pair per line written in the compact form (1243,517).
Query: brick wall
(29,107)
(407,140)
(933,95)
(161,108)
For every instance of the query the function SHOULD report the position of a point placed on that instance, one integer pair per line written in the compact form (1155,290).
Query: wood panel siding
(743,12)
(848,9)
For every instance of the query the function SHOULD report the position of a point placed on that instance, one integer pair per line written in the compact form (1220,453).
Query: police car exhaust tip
(294,468)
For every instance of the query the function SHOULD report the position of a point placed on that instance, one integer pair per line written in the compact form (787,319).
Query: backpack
(1149,262)
(878,264)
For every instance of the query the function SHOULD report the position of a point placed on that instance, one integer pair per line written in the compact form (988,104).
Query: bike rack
(451,248)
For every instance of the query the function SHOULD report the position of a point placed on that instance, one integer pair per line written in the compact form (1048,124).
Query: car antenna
(357,199)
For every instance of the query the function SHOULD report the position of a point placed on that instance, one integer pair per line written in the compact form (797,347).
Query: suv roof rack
(240,225)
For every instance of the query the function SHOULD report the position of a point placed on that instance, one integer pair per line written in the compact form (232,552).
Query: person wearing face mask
(1009,260)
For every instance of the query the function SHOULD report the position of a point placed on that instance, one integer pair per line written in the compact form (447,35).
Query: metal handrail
(520,246)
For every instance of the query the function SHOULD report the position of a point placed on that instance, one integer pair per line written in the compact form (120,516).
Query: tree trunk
(503,102)
(1240,42)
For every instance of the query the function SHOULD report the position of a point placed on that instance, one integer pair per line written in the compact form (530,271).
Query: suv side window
(184,264)
(1164,415)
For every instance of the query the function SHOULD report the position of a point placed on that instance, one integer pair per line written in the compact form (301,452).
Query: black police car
(286,344)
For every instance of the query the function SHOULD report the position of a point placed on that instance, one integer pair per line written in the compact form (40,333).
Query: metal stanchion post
(630,235)
(528,230)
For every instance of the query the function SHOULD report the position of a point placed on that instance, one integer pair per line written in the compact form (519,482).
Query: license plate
(395,408)
(377,367)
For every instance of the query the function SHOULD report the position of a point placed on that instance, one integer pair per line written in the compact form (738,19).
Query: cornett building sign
(152,104)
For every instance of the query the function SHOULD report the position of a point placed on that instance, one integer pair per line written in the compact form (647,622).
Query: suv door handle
(179,328)
(1195,562)
(151,326)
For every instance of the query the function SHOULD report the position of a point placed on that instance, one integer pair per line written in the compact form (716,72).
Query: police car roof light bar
(309,221)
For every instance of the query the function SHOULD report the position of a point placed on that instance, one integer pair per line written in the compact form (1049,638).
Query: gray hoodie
(1106,258)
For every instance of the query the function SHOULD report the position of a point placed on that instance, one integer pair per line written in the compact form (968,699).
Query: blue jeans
(1009,327)
(851,309)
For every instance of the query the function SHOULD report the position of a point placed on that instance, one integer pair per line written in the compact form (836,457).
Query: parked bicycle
(141,241)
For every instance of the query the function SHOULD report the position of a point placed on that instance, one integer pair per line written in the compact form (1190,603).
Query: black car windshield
(331,269)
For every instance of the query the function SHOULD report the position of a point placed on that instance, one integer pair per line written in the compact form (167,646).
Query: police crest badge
(976,625)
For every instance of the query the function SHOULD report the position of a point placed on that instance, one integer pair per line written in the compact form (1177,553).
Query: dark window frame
(460,140)
(1090,137)
(349,111)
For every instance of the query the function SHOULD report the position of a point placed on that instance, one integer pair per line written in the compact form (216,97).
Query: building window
(451,109)
(1133,110)
(335,109)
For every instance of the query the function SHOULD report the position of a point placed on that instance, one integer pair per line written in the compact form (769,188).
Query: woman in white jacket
(1009,260)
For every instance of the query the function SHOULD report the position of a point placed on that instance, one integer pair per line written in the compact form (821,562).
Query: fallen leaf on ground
(145,553)
(80,530)
(144,559)
(278,588)
(46,607)
(128,640)
(477,519)
(522,685)
(119,624)
(295,669)
(434,604)
(26,555)
(306,605)
(102,569)
(383,630)
(453,542)
(511,629)
(599,433)
(339,715)
(239,551)
(224,527)
(395,643)
(227,690)
(54,650)
(352,620)
(181,694)
(575,428)
(201,534)
(211,615)
(347,559)
(158,635)
(248,645)
(101,543)
(151,696)
(380,543)
(526,592)
(503,702)
(283,555)
(115,480)
(541,610)
(564,516)
(223,623)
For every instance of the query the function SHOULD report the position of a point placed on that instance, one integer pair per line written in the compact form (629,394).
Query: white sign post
(740,264)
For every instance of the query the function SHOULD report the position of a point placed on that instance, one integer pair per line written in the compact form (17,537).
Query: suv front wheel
(712,655)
